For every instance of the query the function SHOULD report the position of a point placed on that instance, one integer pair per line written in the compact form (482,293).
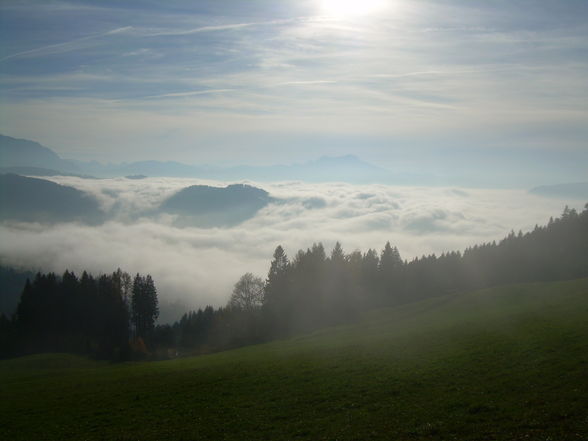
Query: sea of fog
(193,267)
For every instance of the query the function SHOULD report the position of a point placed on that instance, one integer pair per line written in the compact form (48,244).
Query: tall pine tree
(144,304)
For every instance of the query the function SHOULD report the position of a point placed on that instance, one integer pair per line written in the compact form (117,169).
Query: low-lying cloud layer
(198,266)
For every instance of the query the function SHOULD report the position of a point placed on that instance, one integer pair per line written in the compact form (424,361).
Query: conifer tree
(144,303)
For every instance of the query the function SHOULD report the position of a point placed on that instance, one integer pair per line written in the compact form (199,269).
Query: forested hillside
(313,290)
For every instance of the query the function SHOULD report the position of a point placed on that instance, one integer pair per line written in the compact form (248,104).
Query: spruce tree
(144,303)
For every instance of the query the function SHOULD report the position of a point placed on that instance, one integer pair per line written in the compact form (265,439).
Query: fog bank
(198,266)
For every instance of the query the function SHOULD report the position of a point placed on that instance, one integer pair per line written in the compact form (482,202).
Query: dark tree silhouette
(85,315)
(145,308)
(277,292)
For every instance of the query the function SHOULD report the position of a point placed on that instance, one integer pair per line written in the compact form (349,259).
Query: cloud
(197,266)
(210,28)
(186,80)
(190,93)
(66,46)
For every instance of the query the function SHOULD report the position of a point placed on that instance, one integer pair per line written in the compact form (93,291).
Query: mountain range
(31,158)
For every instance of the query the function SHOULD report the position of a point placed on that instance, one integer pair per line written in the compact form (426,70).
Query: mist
(194,267)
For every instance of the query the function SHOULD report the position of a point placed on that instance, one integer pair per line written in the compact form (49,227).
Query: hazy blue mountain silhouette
(349,168)
(24,153)
(205,206)
(344,168)
(37,200)
(40,171)
(578,190)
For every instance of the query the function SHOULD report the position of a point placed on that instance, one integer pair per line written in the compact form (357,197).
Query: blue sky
(494,87)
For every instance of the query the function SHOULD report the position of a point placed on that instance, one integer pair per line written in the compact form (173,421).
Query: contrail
(65,44)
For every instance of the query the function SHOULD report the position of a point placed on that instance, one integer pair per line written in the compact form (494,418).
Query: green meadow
(507,363)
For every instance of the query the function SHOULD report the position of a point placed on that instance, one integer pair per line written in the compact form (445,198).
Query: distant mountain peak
(345,168)
(15,152)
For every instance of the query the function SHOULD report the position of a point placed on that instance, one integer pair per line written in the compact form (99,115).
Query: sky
(494,87)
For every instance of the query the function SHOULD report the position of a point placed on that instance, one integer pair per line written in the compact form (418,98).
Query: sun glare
(350,8)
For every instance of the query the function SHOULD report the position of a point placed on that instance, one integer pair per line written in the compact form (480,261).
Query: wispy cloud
(305,83)
(415,75)
(210,28)
(66,46)
(189,93)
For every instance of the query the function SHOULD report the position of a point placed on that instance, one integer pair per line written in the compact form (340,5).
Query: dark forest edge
(113,316)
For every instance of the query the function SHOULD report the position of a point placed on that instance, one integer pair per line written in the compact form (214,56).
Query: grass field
(508,363)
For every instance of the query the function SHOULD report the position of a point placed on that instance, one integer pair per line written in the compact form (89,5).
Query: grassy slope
(507,364)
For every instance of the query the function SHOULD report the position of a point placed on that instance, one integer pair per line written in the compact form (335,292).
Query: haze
(445,87)
(196,266)
(468,104)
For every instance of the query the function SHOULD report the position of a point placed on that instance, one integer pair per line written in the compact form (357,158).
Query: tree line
(99,316)
(311,290)
(314,289)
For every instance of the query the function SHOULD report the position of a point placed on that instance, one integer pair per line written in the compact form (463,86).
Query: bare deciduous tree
(247,293)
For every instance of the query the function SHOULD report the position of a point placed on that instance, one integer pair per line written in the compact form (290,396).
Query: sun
(351,8)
